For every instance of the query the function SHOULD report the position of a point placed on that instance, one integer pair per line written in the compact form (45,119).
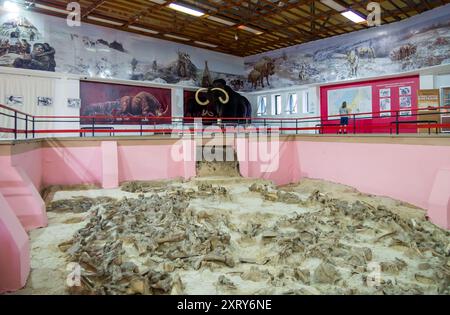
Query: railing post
(354,124)
(397,129)
(15,125)
(296,126)
(141,126)
(93,126)
(33,127)
(26,126)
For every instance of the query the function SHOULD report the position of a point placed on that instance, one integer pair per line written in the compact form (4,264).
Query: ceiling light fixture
(352,16)
(186,10)
(219,20)
(205,44)
(141,29)
(11,7)
(90,17)
(159,1)
(176,37)
(249,29)
(334,5)
(46,7)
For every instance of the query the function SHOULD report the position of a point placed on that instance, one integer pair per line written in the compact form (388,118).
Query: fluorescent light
(219,20)
(46,7)
(249,29)
(186,10)
(176,37)
(141,29)
(334,5)
(205,44)
(352,16)
(158,1)
(11,7)
(90,17)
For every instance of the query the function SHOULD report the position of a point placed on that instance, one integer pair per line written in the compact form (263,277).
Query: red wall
(375,124)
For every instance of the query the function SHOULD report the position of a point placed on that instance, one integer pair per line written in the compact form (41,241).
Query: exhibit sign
(428,98)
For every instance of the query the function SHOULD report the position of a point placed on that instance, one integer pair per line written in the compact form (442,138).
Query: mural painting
(130,102)
(419,42)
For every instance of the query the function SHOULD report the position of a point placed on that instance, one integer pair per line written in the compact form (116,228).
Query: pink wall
(71,165)
(14,250)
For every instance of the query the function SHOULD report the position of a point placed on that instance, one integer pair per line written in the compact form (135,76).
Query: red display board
(388,95)
(126,101)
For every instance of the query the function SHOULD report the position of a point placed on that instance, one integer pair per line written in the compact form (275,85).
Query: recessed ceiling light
(90,17)
(46,7)
(249,29)
(141,29)
(158,1)
(176,37)
(184,9)
(219,20)
(352,16)
(205,44)
(11,7)
(334,5)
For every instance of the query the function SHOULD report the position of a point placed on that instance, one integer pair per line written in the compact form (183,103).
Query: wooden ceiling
(282,22)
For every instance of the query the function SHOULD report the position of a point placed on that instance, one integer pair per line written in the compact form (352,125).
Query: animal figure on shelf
(237,84)
(254,77)
(353,61)
(368,52)
(142,104)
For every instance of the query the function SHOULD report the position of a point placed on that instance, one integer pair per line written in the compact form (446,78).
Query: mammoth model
(142,104)
(220,101)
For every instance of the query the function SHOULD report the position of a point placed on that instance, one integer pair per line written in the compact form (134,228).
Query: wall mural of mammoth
(219,100)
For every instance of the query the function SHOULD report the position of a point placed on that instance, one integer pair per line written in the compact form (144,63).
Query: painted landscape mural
(419,42)
(40,42)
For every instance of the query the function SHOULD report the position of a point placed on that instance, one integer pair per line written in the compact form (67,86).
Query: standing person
(343,111)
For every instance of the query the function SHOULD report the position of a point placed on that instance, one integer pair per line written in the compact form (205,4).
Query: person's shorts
(344,120)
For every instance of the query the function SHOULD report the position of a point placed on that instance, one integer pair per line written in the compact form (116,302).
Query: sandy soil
(268,243)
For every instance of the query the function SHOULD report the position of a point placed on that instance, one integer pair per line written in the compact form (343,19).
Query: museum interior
(197,147)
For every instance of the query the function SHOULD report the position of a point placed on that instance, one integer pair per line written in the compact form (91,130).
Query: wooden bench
(397,123)
(82,134)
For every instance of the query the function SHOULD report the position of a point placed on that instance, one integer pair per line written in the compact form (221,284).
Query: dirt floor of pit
(284,240)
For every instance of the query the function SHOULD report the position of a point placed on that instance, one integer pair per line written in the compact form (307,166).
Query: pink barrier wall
(65,165)
(14,250)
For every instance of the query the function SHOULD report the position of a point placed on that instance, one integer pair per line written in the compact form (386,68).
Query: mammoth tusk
(198,99)
(227,97)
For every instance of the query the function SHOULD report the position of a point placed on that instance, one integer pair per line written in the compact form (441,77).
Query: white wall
(313,106)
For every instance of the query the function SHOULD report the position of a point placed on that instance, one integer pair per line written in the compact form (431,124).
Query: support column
(110,165)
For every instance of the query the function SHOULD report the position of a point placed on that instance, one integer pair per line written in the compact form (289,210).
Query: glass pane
(291,106)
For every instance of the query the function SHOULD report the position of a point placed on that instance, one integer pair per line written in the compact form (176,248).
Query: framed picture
(405,90)
(385,104)
(73,102)
(45,101)
(405,101)
(385,92)
(12,100)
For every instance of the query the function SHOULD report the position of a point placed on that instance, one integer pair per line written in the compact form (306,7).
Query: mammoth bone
(221,99)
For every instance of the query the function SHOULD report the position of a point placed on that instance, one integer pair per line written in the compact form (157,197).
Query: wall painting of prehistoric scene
(419,42)
(129,102)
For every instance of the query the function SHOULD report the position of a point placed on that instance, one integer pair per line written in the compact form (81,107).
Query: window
(276,110)
(262,105)
(291,106)
(305,100)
